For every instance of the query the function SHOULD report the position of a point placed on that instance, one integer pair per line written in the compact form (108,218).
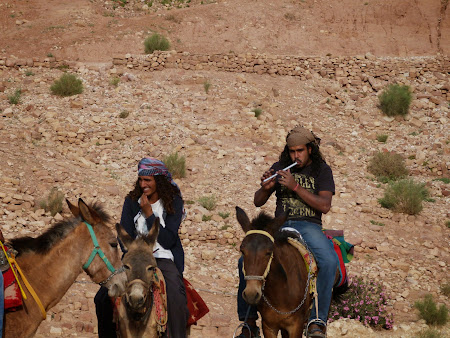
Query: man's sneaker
(253,333)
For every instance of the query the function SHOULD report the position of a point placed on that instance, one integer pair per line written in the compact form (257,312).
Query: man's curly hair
(166,192)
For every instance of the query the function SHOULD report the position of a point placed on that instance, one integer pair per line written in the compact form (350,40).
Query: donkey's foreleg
(269,332)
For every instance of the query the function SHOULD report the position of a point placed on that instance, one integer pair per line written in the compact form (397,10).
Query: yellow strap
(25,281)
(261,232)
(13,270)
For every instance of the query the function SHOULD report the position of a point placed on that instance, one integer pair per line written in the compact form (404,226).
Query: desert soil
(83,147)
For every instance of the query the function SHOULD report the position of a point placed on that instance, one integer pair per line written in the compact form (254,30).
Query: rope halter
(98,251)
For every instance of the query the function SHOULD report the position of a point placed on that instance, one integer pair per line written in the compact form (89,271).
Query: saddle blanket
(343,249)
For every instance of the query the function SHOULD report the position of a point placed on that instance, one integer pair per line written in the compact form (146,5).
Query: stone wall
(351,71)
(348,71)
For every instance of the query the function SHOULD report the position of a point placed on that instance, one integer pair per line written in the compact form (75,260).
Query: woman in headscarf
(155,195)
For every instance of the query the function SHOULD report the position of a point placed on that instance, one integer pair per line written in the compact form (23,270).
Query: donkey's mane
(261,221)
(44,242)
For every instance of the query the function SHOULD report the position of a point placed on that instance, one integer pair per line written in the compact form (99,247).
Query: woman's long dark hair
(166,192)
(316,157)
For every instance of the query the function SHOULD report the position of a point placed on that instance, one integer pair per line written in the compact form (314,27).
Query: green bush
(257,111)
(445,289)
(429,311)
(395,100)
(365,302)
(67,85)
(15,98)
(382,138)
(224,214)
(208,202)
(176,165)
(53,202)
(387,166)
(404,196)
(156,42)
(114,81)
(206,218)
(206,86)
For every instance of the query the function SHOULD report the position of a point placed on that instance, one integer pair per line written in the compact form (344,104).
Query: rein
(98,251)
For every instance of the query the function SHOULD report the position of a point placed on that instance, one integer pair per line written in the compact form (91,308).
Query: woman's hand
(146,206)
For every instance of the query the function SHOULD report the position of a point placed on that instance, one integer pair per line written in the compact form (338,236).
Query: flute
(288,167)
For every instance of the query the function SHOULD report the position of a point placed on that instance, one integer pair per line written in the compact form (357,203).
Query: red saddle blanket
(13,297)
(196,306)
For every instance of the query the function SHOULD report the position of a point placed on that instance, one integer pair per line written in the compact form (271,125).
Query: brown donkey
(52,262)
(276,275)
(136,311)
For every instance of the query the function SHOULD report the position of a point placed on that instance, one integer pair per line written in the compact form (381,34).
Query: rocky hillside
(89,145)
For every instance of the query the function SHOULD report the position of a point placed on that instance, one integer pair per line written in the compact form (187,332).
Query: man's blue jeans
(327,262)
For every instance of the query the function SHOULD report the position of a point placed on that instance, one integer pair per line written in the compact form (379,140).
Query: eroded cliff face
(94,30)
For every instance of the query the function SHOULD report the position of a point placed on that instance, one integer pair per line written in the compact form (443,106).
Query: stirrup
(318,322)
(254,331)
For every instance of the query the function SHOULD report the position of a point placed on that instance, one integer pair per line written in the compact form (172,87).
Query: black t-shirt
(288,200)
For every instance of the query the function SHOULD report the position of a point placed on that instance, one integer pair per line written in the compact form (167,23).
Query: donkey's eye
(150,268)
(113,244)
(126,267)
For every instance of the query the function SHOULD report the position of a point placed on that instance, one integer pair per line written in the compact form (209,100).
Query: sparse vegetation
(257,111)
(50,55)
(289,16)
(447,224)
(124,114)
(445,289)
(404,196)
(156,42)
(67,85)
(176,165)
(189,202)
(446,180)
(15,98)
(224,214)
(376,223)
(387,166)
(208,202)
(114,81)
(206,86)
(395,100)
(429,311)
(429,333)
(29,73)
(206,218)
(54,202)
(382,138)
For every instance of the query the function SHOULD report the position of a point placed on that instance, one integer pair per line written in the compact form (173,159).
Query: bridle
(266,272)
(98,251)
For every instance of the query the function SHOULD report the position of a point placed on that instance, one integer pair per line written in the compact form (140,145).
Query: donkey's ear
(152,235)
(243,219)
(87,213)
(73,208)
(278,222)
(124,238)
